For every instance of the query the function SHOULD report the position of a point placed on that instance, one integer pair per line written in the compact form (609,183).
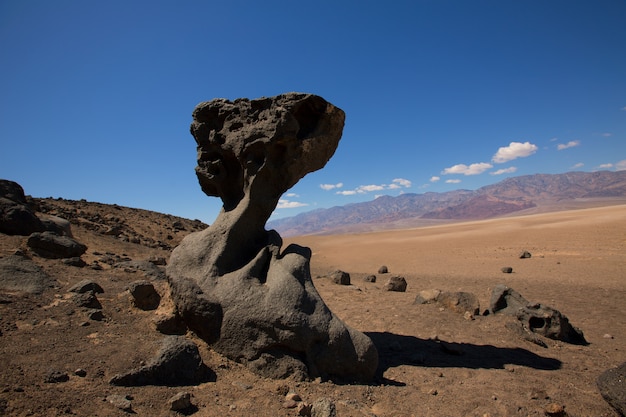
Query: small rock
(555,410)
(303,409)
(370,278)
(293,396)
(171,324)
(80,372)
(290,404)
(54,377)
(145,297)
(507,269)
(608,336)
(95,315)
(88,300)
(74,261)
(157,260)
(525,254)
(323,407)
(121,402)
(85,286)
(180,401)
(340,277)
(396,283)
(383,269)
(468,316)
(433,391)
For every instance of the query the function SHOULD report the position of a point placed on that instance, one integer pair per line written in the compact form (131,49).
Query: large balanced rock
(232,283)
(16,218)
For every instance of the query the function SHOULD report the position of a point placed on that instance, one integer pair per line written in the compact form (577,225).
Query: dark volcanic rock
(85,286)
(232,283)
(340,277)
(396,283)
(178,362)
(537,318)
(50,245)
(144,296)
(18,273)
(612,386)
(16,218)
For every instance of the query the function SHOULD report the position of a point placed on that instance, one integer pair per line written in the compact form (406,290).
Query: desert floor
(433,362)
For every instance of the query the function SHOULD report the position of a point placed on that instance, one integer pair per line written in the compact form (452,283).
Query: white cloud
(578,165)
(453,181)
(346,192)
(605,166)
(513,151)
(504,171)
(624,108)
(607,134)
(291,195)
(434,178)
(369,188)
(286,204)
(570,144)
(473,169)
(401,182)
(621,165)
(328,187)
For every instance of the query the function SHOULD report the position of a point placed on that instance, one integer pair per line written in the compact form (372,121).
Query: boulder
(383,269)
(85,286)
(16,218)
(19,273)
(612,386)
(233,283)
(144,296)
(340,277)
(537,318)
(396,283)
(178,362)
(52,246)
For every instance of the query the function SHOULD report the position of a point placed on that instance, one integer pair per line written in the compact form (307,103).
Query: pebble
(80,372)
(290,404)
(608,336)
(293,397)
(433,391)
(57,376)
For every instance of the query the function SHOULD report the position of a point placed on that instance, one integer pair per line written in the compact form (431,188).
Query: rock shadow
(395,350)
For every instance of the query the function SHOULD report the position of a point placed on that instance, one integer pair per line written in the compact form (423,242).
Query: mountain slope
(508,196)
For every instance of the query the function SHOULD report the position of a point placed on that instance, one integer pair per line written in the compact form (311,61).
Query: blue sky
(96,97)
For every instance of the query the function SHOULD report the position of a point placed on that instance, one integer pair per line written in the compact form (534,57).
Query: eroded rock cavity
(232,283)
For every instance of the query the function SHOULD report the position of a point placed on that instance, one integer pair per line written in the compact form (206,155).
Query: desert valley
(59,353)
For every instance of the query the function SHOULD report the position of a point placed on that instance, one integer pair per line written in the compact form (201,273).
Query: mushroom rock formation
(232,283)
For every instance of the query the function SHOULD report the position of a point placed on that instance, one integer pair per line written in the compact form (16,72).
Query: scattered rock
(144,296)
(506,300)
(612,386)
(80,372)
(180,402)
(324,407)
(383,269)
(340,277)
(396,283)
(54,377)
(555,410)
(370,278)
(18,273)
(293,396)
(171,324)
(178,362)
(95,315)
(303,409)
(87,299)
(290,404)
(52,246)
(120,401)
(427,296)
(525,254)
(507,269)
(74,261)
(86,285)
(158,260)
(149,269)
(459,302)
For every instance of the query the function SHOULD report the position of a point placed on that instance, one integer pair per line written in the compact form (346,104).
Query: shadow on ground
(395,350)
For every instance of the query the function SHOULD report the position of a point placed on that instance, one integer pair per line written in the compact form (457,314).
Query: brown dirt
(433,362)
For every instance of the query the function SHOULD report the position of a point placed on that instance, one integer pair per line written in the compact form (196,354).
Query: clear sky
(96,96)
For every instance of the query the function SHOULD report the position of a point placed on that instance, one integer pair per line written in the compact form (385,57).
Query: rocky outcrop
(612,386)
(19,273)
(16,218)
(233,283)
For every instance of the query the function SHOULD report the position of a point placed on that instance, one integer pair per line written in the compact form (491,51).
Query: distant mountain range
(512,195)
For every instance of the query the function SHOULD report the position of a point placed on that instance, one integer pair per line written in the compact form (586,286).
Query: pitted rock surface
(232,283)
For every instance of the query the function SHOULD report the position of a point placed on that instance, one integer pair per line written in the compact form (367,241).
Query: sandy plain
(433,362)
